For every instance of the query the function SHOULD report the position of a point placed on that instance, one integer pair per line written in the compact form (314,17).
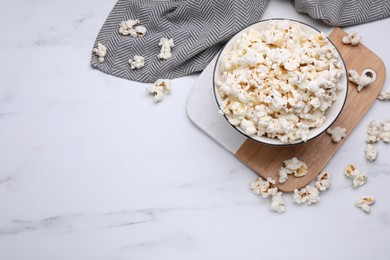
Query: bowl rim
(250,137)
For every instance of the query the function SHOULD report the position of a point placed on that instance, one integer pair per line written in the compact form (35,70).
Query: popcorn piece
(314,194)
(384,96)
(159,88)
(283,80)
(100,51)
(308,194)
(374,132)
(295,166)
(358,178)
(268,188)
(166,45)
(277,203)
(248,127)
(352,38)
(364,203)
(371,152)
(385,135)
(323,181)
(264,187)
(126,28)
(283,175)
(351,172)
(137,62)
(300,196)
(337,133)
(256,185)
(292,166)
(361,81)
(138,31)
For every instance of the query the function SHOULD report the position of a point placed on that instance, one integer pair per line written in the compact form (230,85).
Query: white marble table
(91,168)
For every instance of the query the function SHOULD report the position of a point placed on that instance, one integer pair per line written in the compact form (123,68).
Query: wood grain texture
(266,160)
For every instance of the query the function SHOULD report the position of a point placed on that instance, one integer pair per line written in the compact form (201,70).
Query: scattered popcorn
(314,194)
(361,81)
(166,45)
(300,196)
(280,79)
(159,88)
(256,185)
(283,175)
(352,38)
(364,203)
(371,152)
(374,132)
(385,135)
(351,172)
(384,96)
(277,203)
(137,62)
(100,51)
(138,31)
(126,28)
(358,178)
(308,194)
(323,181)
(337,133)
(292,166)
(264,187)
(269,188)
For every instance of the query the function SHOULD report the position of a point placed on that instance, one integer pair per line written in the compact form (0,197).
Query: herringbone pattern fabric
(200,28)
(344,12)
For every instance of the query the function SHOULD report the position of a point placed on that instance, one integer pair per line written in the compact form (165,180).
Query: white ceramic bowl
(331,114)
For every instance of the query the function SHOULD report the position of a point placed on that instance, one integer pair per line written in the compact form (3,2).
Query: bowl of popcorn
(280,82)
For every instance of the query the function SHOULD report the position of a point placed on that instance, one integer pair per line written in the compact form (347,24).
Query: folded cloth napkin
(200,28)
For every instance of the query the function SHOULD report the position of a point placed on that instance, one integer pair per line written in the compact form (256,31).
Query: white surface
(331,114)
(91,168)
(203,112)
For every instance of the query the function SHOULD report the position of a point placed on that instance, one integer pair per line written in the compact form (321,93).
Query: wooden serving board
(266,160)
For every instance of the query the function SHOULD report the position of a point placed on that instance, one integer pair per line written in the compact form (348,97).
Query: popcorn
(159,88)
(385,135)
(126,28)
(314,194)
(166,45)
(364,203)
(138,31)
(352,38)
(358,178)
(300,196)
(283,79)
(292,166)
(248,127)
(137,62)
(384,96)
(309,195)
(337,133)
(371,152)
(361,81)
(277,203)
(374,132)
(100,51)
(323,181)
(264,187)
(283,175)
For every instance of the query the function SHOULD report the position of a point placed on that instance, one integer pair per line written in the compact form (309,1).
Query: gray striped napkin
(200,28)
